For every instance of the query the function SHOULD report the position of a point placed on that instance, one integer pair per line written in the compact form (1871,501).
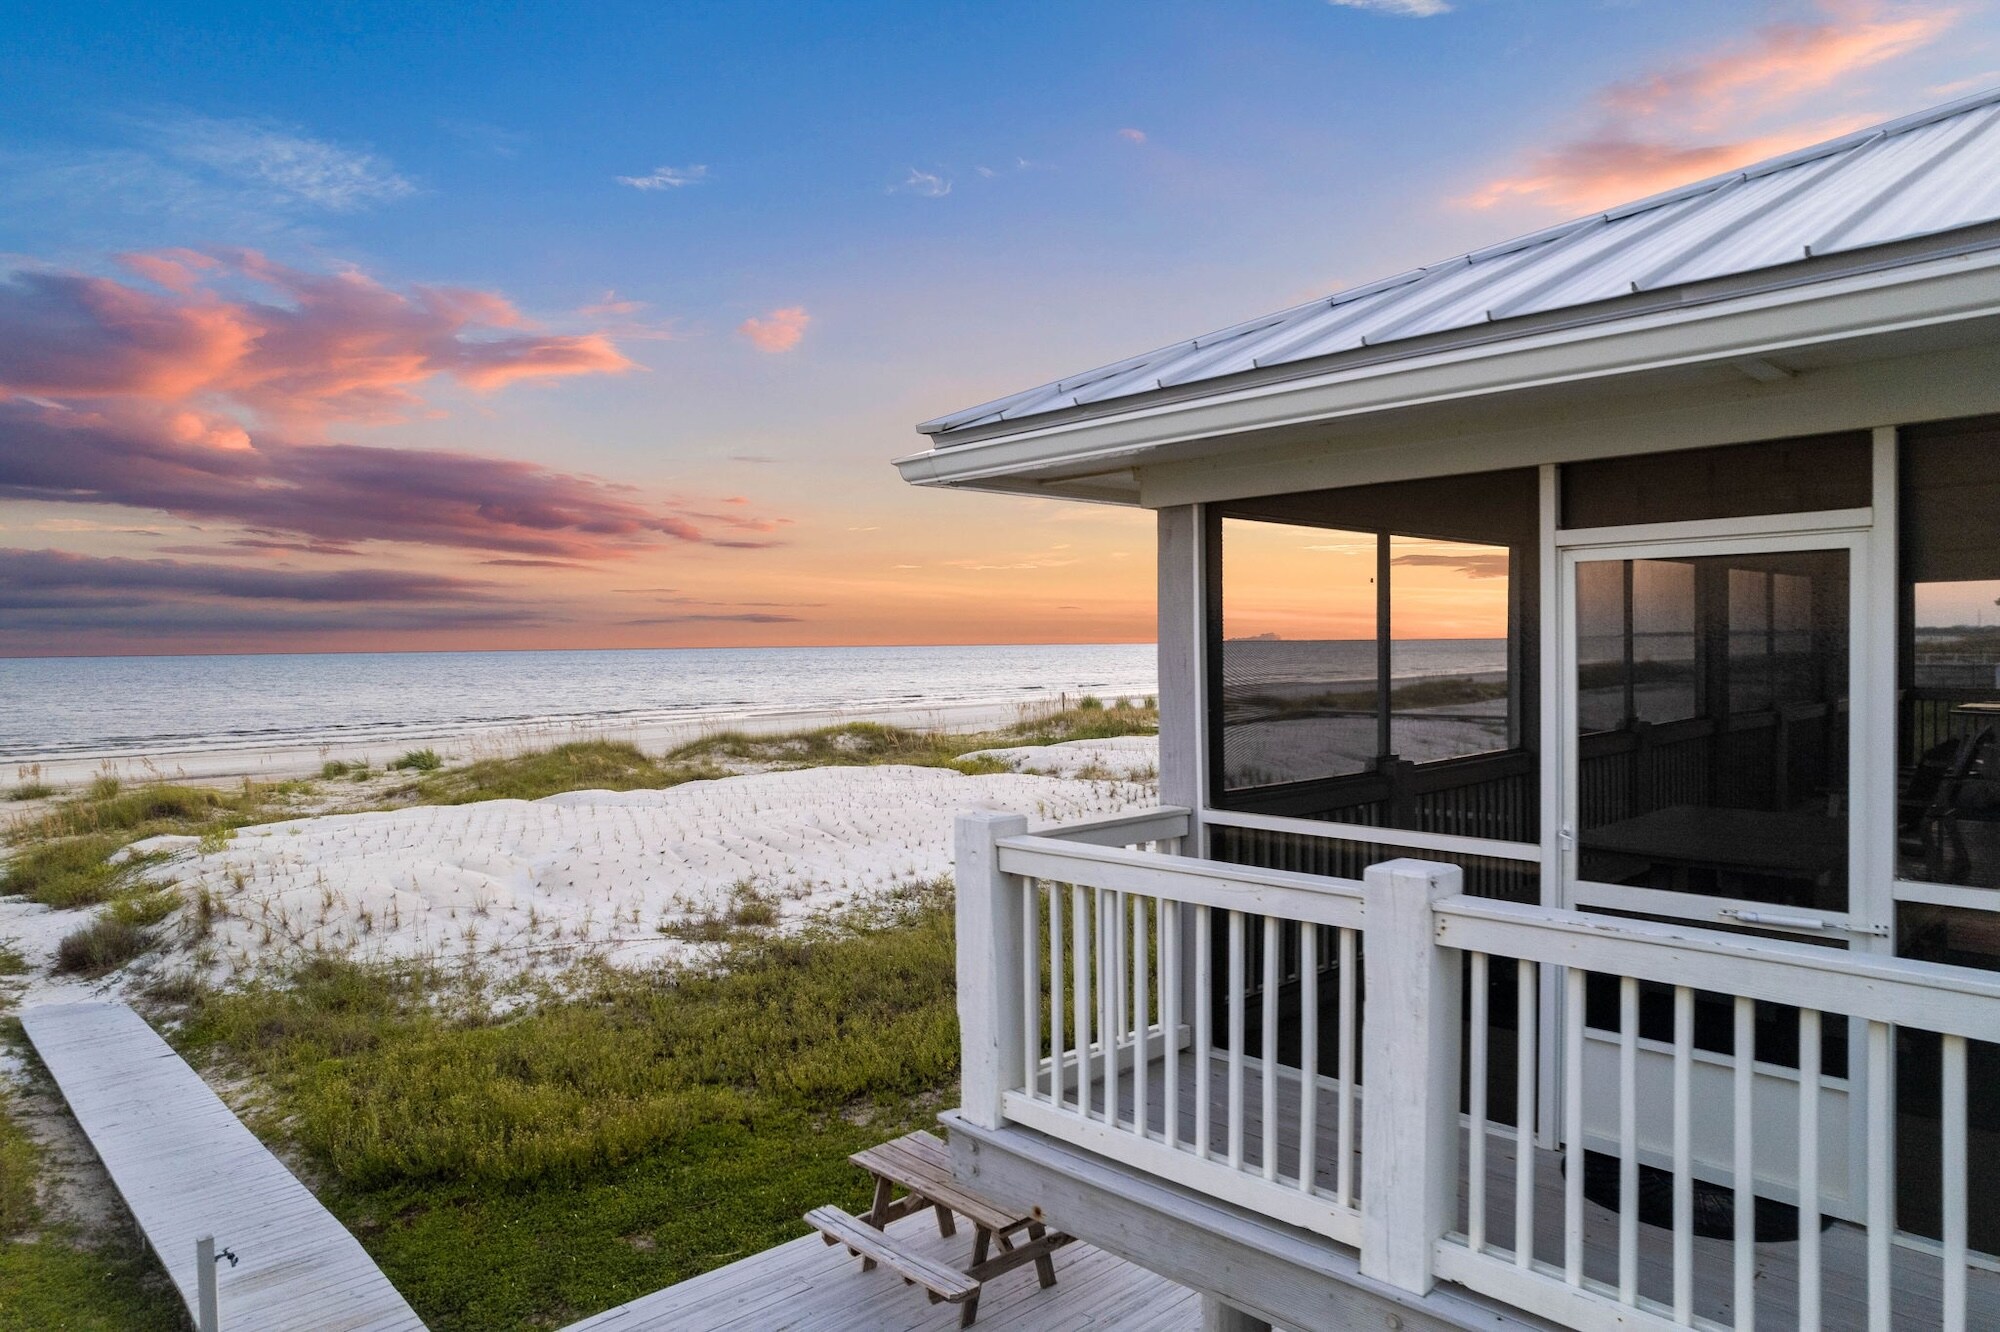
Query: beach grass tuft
(417,760)
(20,1206)
(102,946)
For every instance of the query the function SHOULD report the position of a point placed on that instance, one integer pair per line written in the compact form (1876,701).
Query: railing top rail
(1954,1000)
(1144,825)
(1281,893)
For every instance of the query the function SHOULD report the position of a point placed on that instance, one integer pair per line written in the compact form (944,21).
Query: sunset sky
(386,326)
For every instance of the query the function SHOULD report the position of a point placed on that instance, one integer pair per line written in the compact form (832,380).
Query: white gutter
(1924,294)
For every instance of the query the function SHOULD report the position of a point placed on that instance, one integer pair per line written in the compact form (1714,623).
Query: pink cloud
(1688,119)
(1132,135)
(330,347)
(778,331)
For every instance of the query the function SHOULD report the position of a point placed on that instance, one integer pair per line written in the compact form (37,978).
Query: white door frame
(1864,925)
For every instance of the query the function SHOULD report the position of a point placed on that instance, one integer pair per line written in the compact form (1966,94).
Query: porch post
(1409,1189)
(990,950)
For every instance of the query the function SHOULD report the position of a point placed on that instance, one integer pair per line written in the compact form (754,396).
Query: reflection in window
(1712,725)
(1948,806)
(1372,658)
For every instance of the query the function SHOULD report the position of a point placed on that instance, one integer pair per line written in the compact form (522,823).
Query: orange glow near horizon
(1319,583)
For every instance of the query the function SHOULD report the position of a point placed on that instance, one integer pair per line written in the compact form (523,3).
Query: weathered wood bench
(920,1165)
(946,1285)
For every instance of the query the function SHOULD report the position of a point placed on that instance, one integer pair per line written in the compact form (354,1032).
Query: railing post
(990,947)
(1410,1039)
(206,1317)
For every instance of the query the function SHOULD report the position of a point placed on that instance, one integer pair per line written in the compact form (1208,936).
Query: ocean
(128,707)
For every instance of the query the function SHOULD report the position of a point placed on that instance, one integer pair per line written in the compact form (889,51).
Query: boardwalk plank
(187,1167)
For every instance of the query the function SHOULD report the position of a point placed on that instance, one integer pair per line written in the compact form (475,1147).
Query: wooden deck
(805,1284)
(1916,1272)
(187,1167)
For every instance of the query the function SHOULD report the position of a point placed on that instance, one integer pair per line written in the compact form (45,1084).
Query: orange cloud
(1684,121)
(778,331)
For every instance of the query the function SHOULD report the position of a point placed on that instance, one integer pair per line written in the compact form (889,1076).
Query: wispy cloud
(743,617)
(928,184)
(52,578)
(667,178)
(1725,108)
(778,330)
(283,160)
(1131,135)
(1400,8)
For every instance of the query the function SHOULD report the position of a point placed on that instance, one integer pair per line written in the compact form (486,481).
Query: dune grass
(581,765)
(635,1129)
(68,856)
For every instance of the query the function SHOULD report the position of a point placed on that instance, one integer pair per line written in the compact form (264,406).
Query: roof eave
(1946,284)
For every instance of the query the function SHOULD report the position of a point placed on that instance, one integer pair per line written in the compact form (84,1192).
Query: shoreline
(207,762)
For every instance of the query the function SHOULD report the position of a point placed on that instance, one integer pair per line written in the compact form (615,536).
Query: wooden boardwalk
(806,1285)
(187,1167)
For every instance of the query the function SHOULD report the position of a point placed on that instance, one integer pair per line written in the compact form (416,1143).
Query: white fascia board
(1768,323)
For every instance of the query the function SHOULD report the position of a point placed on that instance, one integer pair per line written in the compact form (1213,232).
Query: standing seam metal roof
(1927,173)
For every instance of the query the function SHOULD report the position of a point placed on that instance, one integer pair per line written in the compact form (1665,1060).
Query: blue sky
(742,248)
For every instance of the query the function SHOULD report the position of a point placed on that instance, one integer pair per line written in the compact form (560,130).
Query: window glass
(1948,799)
(1372,655)
(1801,475)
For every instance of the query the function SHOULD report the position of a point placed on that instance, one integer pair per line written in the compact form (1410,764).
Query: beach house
(1575,896)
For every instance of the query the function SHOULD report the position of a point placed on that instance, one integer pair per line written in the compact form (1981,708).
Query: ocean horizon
(68,708)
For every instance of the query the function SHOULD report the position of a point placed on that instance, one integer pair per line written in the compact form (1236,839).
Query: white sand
(534,882)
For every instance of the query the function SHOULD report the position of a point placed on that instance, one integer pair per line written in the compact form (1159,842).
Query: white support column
(1409,1188)
(207,1317)
(990,946)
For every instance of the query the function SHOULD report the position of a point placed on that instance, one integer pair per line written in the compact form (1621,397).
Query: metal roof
(1932,172)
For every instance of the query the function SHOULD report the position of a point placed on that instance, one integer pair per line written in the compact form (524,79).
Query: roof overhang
(1903,303)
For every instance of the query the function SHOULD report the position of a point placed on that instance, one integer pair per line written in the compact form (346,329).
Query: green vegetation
(630,1130)
(68,856)
(31,791)
(417,760)
(581,765)
(11,961)
(18,1167)
(1434,693)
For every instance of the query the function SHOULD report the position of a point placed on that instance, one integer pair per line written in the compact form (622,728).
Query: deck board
(187,1167)
(806,1284)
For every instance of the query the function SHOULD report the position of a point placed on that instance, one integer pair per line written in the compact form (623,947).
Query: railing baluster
(1343,1166)
(1628,1140)
(1080,947)
(1745,1233)
(1683,1154)
(1952,1147)
(1031,988)
(1268,1120)
(1476,1072)
(1235,1126)
(1056,996)
(1573,1013)
(1142,1007)
(1308,1052)
(1170,1018)
(1113,986)
(1204,1022)
(1881,1137)
(1809,1278)
(1525,988)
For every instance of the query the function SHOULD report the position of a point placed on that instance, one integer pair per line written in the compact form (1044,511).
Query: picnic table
(919,1165)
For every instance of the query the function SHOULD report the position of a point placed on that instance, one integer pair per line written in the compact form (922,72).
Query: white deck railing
(1106,993)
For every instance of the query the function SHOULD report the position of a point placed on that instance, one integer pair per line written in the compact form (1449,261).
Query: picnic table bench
(919,1164)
